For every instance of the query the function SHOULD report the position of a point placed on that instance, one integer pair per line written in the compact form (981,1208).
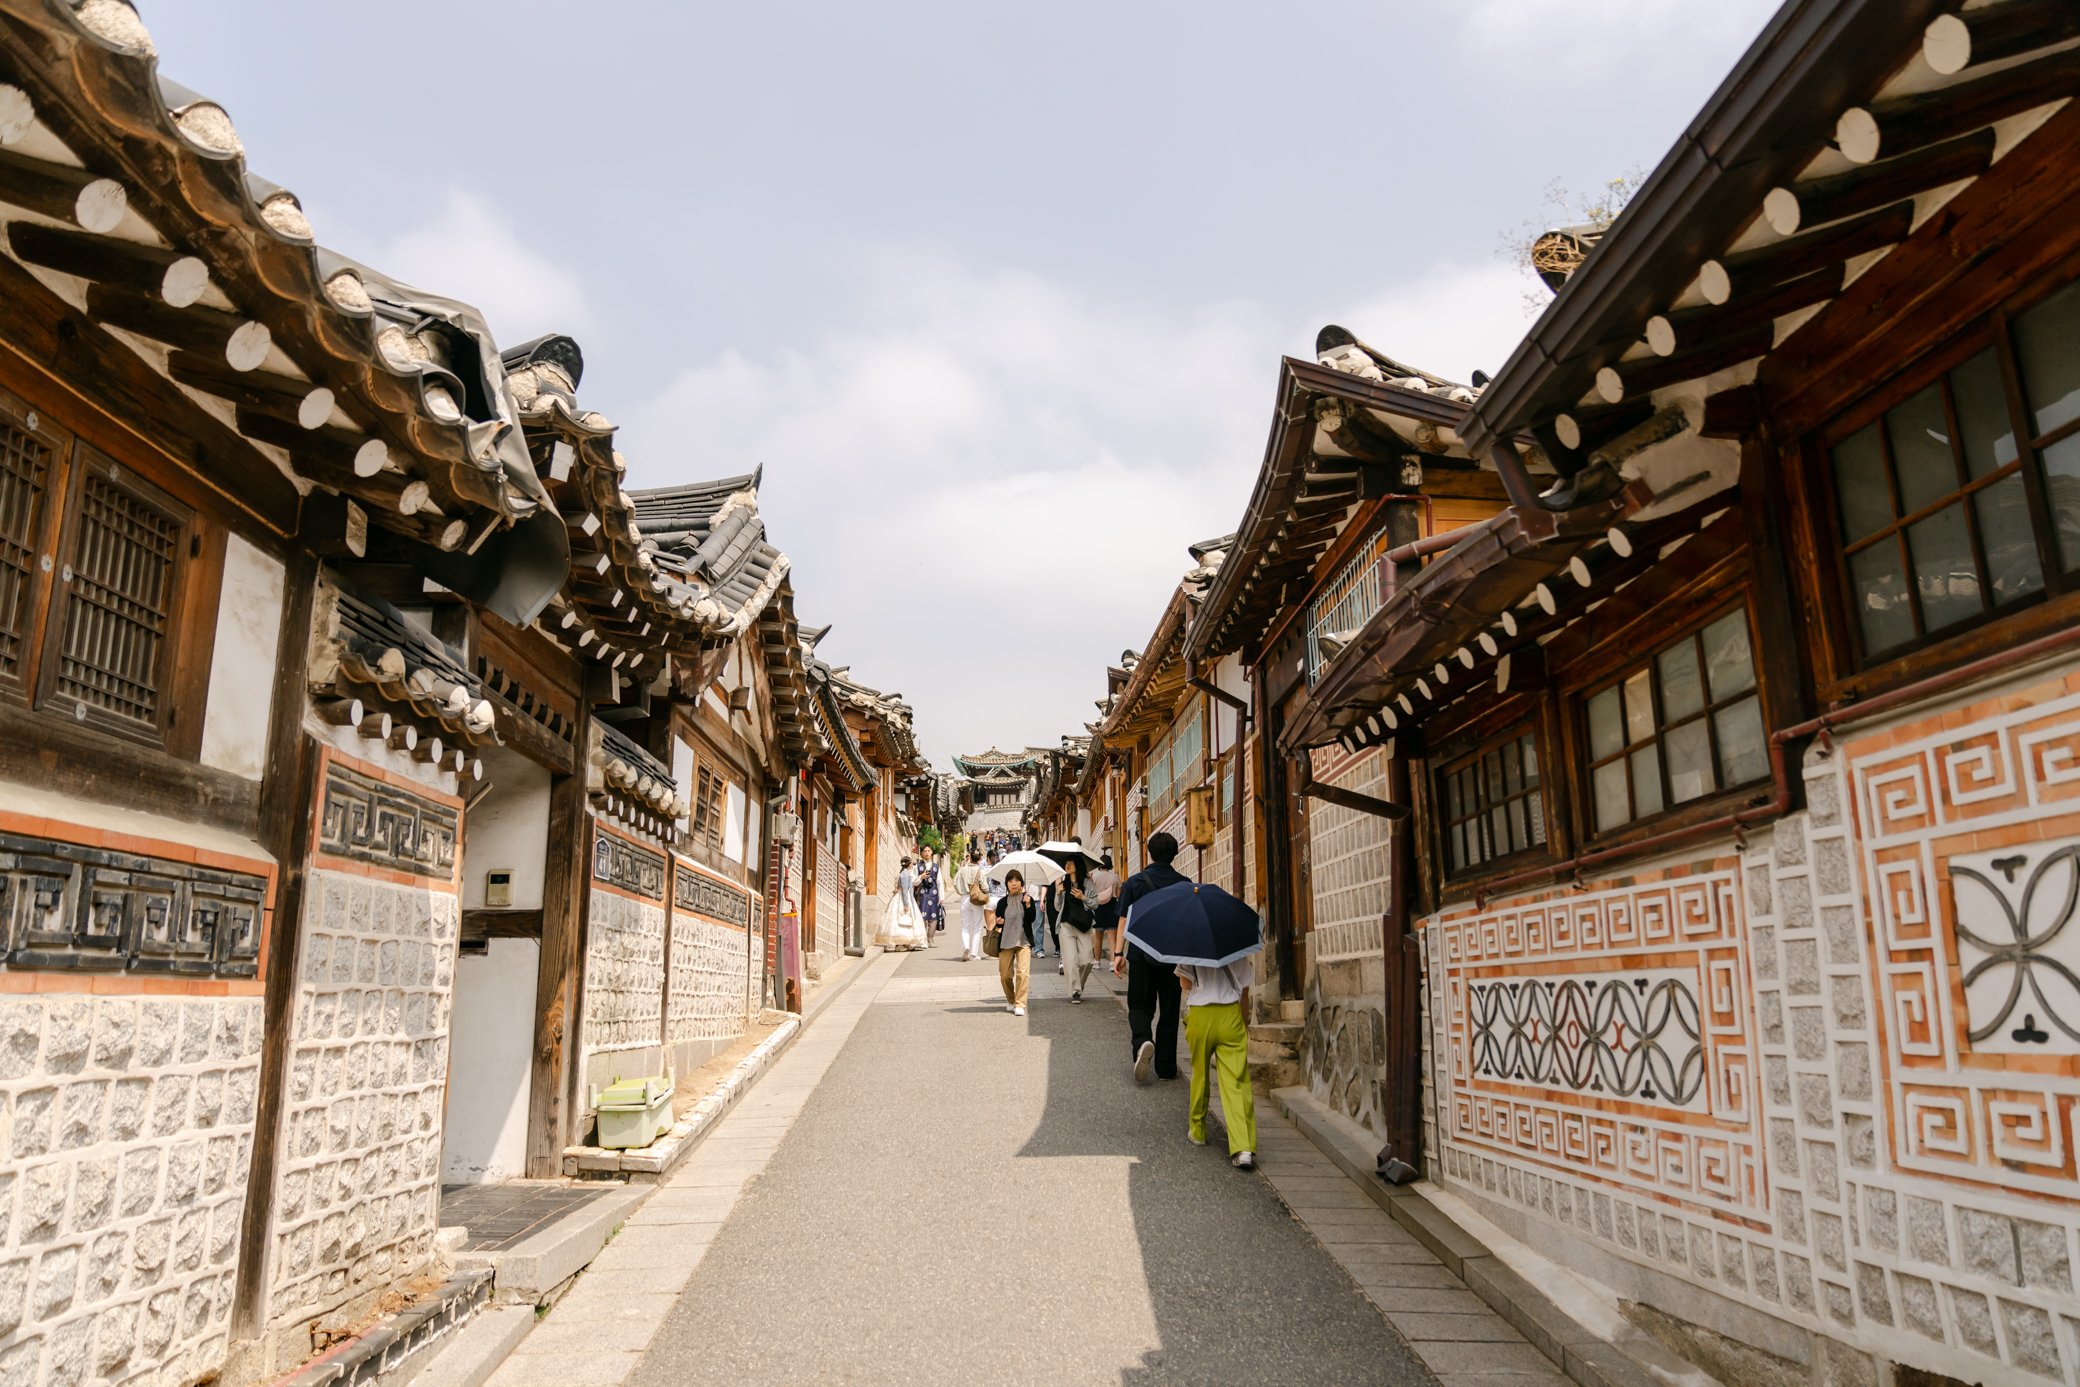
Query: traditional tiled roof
(130,198)
(374,669)
(710,537)
(635,784)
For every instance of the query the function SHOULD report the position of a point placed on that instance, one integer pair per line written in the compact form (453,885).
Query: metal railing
(1347,602)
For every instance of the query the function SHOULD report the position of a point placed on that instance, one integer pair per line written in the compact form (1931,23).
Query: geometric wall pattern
(1917,1194)
(1609,1033)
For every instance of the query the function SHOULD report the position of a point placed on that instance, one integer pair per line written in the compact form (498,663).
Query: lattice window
(1492,803)
(25,468)
(119,597)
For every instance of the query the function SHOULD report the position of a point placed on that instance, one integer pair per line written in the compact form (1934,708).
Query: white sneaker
(1009,1007)
(1018,1011)
(1145,1062)
(1196,1141)
(1243,1160)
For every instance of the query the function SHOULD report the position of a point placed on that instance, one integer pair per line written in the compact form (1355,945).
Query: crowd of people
(1081,919)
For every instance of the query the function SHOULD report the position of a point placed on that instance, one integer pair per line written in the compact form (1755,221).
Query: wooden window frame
(1523,729)
(1612,673)
(1855,670)
(42,541)
(187,644)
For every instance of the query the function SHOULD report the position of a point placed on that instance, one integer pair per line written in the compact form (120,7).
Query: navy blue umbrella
(1192,922)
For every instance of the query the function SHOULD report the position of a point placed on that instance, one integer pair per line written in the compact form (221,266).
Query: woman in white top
(902,927)
(1215,1003)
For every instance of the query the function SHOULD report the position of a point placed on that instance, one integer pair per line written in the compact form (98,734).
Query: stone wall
(832,886)
(130,1136)
(1861,1156)
(357,1192)
(624,986)
(711,959)
(1343,1040)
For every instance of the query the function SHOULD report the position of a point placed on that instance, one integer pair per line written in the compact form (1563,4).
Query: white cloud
(989,489)
(468,250)
(1452,320)
(1606,34)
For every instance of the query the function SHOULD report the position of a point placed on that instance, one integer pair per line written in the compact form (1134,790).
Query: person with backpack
(973,886)
(1153,996)
(1075,931)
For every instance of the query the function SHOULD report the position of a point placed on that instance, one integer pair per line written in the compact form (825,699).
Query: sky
(995,293)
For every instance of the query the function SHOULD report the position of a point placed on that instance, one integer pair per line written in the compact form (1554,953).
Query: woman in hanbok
(928,902)
(902,927)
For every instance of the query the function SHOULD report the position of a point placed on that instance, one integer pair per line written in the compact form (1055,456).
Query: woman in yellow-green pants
(1215,1000)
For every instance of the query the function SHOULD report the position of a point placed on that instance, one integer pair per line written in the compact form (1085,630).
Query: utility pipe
(1779,760)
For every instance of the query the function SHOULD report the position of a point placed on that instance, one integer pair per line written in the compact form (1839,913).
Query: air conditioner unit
(787,829)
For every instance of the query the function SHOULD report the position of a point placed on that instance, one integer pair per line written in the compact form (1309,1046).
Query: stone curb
(1580,1353)
(402,1341)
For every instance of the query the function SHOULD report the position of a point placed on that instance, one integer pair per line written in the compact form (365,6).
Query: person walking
(901,926)
(1015,915)
(928,904)
(1074,932)
(975,904)
(1103,896)
(1152,993)
(1216,1001)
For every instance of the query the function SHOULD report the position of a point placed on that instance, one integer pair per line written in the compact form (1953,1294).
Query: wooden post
(288,804)
(1401,1159)
(566,889)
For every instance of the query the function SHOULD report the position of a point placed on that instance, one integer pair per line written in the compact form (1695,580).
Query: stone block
(1987,1245)
(2032,1341)
(1808,1033)
(2045,1261)
(1836,1364)
(1815,1102)
(1840,934)
(1841,1305)
(1859,1141)
(1852,1068)
(1828,1244)
(1881,1219)
(1974,1316)
(1919,1309)
(1802,967)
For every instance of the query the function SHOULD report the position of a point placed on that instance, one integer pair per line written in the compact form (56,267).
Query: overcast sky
(995,292)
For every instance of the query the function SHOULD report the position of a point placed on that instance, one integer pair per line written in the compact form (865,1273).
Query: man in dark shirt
(1153,997)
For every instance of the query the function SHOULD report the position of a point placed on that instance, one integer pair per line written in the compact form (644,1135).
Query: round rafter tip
(184,282)
(17,114)
(248,346)
(1946,45)
(1856,135)
(1610,386)
(1781,210)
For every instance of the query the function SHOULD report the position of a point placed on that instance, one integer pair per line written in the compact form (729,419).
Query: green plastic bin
(634,1112)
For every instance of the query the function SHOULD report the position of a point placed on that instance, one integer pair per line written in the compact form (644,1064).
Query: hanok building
(1001,783)
(1742,855)
(1364,473)
(377,776)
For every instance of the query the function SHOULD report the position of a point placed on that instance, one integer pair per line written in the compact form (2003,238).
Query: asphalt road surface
(974,1197)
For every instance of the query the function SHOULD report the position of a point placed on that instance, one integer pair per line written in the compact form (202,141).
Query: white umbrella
(1031,866)
(1061,850)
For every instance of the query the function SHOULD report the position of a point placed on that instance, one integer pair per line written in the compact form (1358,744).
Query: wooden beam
(69,757)
(1953,42)
(1871,186)
(1637,378)
(1907,123)
(242,342)
(1710,327)
(177,278)
(566,891)
(61,192)
(289,802)
(1763,268)
(502,924)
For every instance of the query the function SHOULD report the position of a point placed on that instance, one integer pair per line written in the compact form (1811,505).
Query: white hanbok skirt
(902,925)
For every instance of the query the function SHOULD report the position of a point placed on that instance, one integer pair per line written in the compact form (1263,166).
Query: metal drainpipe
(1779,761)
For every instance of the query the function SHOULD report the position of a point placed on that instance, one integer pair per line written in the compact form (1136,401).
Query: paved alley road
(927,1189)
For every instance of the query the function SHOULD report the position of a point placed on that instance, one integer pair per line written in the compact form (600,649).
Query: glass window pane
(1743,751)
(1537,807)
(2062,486)
(2012,565)
(1491,772)
(1530,761)
(2047,344)
(1639,709)
(1451,798)
(1860,486)
(1943,570)
(1611,806)
(1689,749)
(1606,727)
(1921,450)
(1512,773)
(1498,830)
(1646,781)
(1878,591)
(1682,688)
(1982,415)
(1728,660)
(1456,840)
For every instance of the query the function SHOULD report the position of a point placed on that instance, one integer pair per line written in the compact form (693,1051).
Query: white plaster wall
(682,777)
(486,1133)
(507,828)
(241,672)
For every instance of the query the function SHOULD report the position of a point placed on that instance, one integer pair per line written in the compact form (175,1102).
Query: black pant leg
(1169,1001)
(1141,1001)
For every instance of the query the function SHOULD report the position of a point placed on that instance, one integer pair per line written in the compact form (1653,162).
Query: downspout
(1400,1160)
(1194,679)
(1779,762)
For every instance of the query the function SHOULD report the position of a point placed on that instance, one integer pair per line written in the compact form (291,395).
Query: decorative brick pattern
(357,1196)
(624,973)
(371,820)
(1348,858)
(709,998)
(124,1180)
(1918,1190)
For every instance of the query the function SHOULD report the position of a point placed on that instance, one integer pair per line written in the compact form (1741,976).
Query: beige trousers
(1079,951)
(1015,971)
